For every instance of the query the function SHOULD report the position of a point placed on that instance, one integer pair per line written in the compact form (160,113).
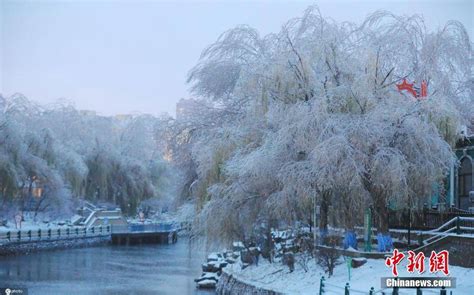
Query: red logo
(416,262)
(438,262)
(393,261)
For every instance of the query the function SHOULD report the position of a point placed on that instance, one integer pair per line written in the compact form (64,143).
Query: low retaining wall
(461,250)
(357,254)
(33,246)
(230,285)
(137,238)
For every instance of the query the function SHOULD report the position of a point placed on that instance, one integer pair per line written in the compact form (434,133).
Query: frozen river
(147,269)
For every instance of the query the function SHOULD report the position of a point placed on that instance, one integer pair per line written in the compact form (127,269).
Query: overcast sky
(119,57)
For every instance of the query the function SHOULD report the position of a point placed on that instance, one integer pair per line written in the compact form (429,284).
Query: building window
(465,178)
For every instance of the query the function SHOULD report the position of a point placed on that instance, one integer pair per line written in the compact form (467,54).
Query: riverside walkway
(20,236)
(117,234)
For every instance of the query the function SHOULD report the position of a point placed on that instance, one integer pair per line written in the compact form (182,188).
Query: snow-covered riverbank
(276,277)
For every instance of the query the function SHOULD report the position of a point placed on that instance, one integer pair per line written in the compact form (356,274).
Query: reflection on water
(146,269)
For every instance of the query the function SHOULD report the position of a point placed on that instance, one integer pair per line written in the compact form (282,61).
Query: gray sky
(133,56)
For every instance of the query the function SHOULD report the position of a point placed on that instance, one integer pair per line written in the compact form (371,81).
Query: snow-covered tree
(312,116)
(71,154)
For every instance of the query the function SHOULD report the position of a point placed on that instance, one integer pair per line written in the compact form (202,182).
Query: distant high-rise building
(186,107)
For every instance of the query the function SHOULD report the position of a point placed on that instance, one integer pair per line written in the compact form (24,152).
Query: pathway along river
(146,269)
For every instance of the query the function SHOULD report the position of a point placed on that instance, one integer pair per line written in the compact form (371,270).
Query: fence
(423,219)
(327,288)
(144,228)
(19,236)
(455,227)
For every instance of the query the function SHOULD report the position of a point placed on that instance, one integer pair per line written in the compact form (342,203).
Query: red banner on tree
(409,87)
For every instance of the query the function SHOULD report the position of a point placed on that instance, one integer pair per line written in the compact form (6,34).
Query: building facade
(462,180)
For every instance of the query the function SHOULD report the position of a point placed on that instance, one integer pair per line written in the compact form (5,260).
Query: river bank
(275,278)
(25,241)
(229,284)
(55,244)
(39,239)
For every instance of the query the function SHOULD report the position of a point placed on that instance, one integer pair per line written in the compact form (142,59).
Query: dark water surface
(145,269)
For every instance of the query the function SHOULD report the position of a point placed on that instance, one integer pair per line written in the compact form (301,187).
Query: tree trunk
(384,241)
(323,218)
(381,210)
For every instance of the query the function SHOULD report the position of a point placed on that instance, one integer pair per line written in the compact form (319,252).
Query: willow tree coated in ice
(311,116)
(73,155)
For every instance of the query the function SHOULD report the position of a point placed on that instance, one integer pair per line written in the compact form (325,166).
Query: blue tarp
(384,243)
(350,240)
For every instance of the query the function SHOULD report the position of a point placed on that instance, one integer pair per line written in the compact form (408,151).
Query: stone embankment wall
(33,246)
(230,285)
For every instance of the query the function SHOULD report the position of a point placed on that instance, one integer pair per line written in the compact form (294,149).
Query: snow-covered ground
(275,276)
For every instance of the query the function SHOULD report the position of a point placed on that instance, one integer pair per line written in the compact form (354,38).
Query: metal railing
(144,228)
(456,227)
(423,219)
(48,234)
